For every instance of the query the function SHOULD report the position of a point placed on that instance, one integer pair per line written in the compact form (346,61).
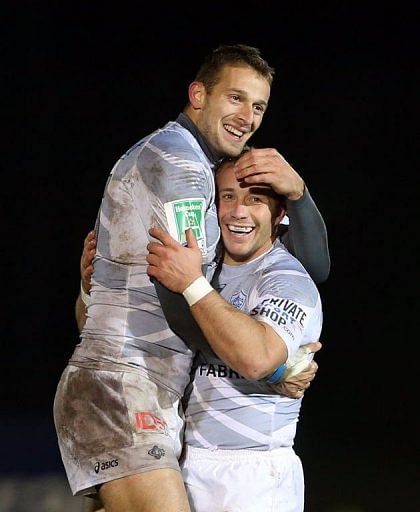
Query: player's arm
(292,387)
(306,236)
(250,347)
(297,379)
(86,269)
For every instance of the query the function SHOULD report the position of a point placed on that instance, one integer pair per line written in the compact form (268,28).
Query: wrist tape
(197,290)
(276,375)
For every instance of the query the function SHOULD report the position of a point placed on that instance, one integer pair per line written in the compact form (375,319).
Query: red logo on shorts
(146,420)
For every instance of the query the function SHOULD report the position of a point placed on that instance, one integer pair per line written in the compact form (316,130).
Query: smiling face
(247,217)
(232,111)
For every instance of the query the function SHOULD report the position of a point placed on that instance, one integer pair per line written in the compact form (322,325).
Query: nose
(239,211)
(246,113)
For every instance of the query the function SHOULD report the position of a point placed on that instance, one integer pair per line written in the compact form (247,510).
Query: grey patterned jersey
(224,410)
(165,180)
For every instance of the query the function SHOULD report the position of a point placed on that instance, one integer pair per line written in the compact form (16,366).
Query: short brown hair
(235,54)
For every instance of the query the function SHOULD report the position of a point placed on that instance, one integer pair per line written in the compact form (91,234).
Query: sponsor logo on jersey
(218,370)
(146,421)
(281,311)
(157,452)
(184,214)
(102,466)
(238,299)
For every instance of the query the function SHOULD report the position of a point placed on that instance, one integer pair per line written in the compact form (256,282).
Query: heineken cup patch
(183,214)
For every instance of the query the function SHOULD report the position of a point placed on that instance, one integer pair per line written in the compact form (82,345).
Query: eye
(259,109)
(226,197)
(235,97)
(257,200)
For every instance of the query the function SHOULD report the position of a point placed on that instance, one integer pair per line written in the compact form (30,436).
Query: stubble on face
(230,113)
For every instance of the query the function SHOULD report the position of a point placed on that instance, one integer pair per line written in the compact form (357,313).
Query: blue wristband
(276,375)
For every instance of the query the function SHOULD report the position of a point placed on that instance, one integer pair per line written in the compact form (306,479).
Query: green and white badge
(187,213)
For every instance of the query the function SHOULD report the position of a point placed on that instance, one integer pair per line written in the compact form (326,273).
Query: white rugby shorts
(243,480)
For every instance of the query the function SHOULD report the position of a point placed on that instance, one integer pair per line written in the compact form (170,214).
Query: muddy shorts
(111,424)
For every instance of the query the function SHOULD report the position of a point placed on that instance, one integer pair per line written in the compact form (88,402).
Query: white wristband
(84,296)
(197,290)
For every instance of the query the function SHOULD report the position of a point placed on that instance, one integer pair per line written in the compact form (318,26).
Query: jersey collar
(186,122)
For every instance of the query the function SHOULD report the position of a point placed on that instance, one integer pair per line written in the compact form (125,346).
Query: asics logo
(101,466)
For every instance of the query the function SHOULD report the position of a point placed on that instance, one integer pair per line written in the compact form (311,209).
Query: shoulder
(174,139)
(283,275)
(280,259)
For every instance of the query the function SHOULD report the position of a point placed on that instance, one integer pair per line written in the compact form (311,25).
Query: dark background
(83,82)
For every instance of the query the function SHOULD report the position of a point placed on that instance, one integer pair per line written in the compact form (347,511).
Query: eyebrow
(258,191)
(244,93)
(263,191)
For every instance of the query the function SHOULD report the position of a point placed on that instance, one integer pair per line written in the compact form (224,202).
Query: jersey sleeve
(179,182)
(306,237)
(287,302)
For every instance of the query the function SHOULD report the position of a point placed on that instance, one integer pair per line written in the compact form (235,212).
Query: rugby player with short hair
(262,310)
(116,409)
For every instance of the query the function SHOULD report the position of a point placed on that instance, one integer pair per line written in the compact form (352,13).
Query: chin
(240,257)
(233,150)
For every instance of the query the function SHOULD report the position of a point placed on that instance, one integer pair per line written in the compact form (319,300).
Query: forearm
(307,237)
(248,346)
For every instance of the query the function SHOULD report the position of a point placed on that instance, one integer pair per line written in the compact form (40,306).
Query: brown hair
(236,54)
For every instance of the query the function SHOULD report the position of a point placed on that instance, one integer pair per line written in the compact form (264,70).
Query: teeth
(240,229)
(233,130)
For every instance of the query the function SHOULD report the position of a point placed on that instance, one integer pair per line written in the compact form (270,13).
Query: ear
(280,216)
(196,95)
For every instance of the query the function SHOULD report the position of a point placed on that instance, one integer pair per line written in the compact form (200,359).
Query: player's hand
(172,264)
(267,166)
(86,260)
(295,386)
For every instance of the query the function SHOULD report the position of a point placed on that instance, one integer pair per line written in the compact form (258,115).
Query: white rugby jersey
(165,180)
(225,411)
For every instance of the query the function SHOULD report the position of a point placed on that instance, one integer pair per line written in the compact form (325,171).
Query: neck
(188,122)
